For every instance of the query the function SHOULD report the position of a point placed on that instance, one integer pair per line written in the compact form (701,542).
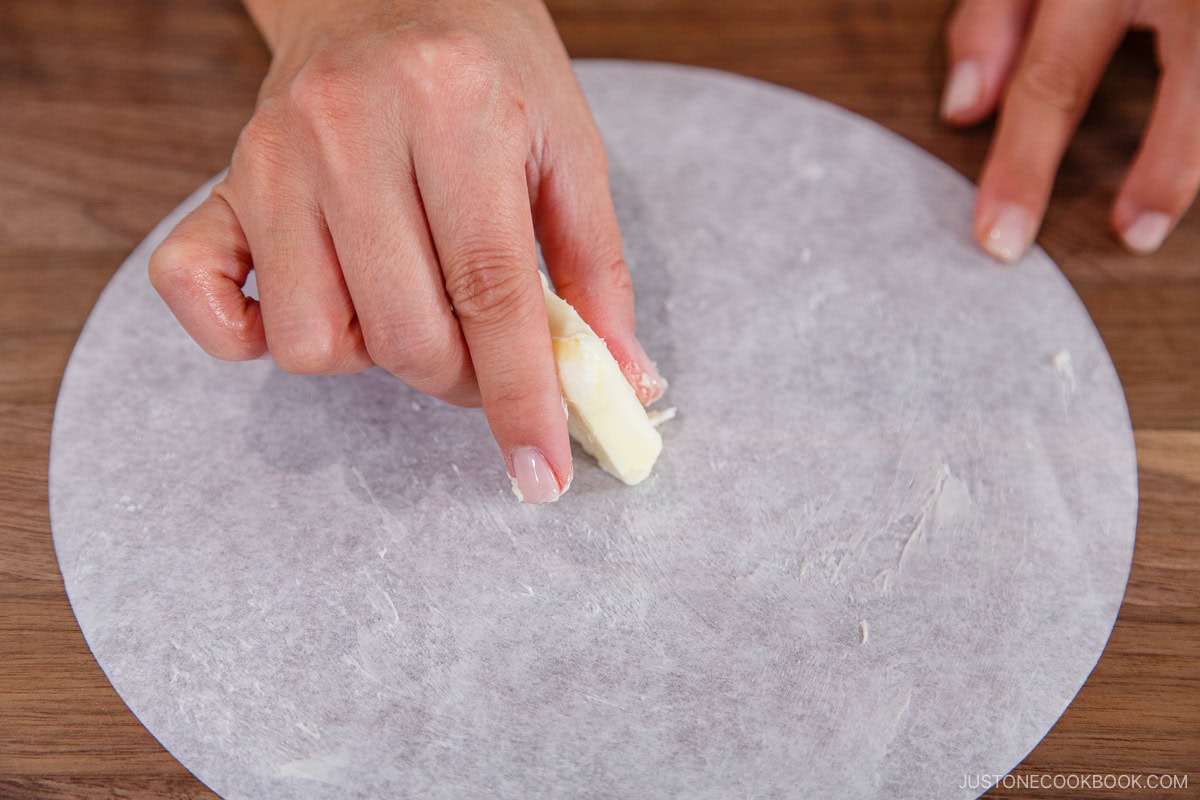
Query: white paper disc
(884,546)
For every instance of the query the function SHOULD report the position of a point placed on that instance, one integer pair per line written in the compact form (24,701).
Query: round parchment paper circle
(884,546)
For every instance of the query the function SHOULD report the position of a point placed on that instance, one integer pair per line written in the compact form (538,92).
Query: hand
(387,192)
(1040,61)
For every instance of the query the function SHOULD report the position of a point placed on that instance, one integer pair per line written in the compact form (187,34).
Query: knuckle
(407,349)
(239,340)
(453,74)
(607,278)
(325,100)
(262,135)
(490,289)
(423,358)
(451,62)
(507,395)
(185,267)
(261,154)
(1020,176)
(591,151)
(309,348)
(174,263)
(244,338)
(1056,81)
(616,276)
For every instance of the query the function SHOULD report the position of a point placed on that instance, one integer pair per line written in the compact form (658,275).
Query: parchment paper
(883,548)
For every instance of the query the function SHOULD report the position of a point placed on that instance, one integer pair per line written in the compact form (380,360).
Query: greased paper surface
(883,548)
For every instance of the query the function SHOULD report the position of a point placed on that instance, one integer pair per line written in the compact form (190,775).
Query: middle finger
(1069,45)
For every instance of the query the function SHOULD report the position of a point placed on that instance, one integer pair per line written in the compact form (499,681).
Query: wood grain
(111,113)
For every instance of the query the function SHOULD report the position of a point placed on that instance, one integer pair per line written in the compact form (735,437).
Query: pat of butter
(603,411)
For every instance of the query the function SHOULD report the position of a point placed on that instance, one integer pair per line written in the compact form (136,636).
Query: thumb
(199,270)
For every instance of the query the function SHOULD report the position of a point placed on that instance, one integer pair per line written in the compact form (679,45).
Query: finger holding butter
(603,411)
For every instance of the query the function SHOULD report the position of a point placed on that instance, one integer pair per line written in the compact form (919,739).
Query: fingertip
(1140,227)
(536,447)
(962,100)
(534,481)
(983,40)
(1147,232)
(1006,231)
(1163,180)
(638,368)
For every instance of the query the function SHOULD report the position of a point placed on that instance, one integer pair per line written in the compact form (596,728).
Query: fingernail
(532,479)
(1147,232)
(648,384)
(1010,234)
(963,88)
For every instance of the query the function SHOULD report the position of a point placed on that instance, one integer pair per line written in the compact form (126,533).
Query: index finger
(475,192)
(199,270)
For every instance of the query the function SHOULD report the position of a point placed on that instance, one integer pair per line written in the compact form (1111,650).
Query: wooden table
(111,113)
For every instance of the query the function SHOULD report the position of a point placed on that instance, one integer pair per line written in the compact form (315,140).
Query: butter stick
(603,411)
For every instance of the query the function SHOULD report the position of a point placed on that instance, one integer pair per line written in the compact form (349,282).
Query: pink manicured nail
(1147,232)
(1010,234)
(533,480)
(963,89)
(648,384)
